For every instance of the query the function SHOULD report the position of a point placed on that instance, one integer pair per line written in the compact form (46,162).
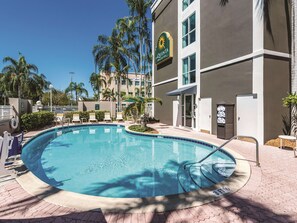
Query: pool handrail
(212,152)
(225,143)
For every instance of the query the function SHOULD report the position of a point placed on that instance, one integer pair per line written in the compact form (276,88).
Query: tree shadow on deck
(227,208)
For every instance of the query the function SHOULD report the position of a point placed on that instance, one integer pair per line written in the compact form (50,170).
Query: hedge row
(85,114)
(36,120)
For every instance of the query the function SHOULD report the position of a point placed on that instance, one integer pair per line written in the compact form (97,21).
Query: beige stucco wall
(103,106)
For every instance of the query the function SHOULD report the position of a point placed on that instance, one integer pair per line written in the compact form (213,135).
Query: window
(189,69)
(123,81)
(186,3)
(142,83)
(137,83)
(130,82)
(130,93)
(189,30)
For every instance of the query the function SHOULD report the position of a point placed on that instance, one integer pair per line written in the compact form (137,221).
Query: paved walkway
(269,196)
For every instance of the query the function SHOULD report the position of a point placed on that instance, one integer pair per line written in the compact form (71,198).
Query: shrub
(36,120)
(140,128)
(85,114)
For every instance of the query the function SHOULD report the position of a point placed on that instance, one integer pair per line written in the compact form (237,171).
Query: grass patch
(139,128)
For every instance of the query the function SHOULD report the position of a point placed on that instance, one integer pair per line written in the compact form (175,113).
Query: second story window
(189,69)
(137,83)
(186,3)
(189,30)
(123,81)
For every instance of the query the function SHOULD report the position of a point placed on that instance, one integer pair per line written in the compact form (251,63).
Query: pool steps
(205,175)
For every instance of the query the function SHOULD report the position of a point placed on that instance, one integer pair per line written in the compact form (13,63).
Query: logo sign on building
(164,49)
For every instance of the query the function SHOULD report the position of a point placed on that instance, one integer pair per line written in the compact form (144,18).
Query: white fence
(5,112)
(56,109)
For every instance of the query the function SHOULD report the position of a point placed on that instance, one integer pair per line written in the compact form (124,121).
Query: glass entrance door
(188,110)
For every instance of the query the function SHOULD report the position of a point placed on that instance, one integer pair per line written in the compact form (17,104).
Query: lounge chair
(107,116)
(119,116)
(75,118)
(92,117)
(15,147)
(61,119)
(1,145)
(7,149)
(4,149)
(5,144)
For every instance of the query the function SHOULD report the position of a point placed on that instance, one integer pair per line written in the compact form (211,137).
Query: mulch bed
(276,143)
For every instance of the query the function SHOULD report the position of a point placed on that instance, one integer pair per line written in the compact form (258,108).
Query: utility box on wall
(225,121)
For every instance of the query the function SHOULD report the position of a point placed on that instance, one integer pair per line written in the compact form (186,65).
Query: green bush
(36,120)
(85,114)
(140,128)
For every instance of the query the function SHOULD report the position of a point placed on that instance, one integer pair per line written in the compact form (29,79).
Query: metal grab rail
(220,147)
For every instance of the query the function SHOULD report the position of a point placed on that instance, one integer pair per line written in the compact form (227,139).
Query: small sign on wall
(164,48)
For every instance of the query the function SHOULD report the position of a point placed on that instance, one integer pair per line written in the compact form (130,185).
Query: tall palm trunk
(119,93)
(294,46)
(99,89)
(293,61)
(19,100)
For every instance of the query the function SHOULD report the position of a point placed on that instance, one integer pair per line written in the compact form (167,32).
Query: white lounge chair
(107,116)
(119,116)
(92,117)
(5,146)
(2,154)
(75,118)
(61,119)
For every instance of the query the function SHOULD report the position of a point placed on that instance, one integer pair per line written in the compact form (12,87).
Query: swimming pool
(108,161)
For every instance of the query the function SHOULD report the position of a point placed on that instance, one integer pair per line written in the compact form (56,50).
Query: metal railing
(220,147)
(214,151)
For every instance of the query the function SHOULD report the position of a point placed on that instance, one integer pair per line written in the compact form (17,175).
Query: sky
(57,35)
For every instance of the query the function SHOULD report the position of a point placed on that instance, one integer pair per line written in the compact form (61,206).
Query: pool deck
(270,195)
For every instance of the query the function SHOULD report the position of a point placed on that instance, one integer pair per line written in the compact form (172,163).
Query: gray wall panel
(278,38)
(225,83)
(166,20)
(165,112)
(276,87)
(226,31)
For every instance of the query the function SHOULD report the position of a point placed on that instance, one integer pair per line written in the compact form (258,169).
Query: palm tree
(138,10)
(36,87)
(18,72)
(110,55)
(293,45)
(138,107)
(98,81)
(78,89)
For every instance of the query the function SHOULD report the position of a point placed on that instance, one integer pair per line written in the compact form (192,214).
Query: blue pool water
(105,160)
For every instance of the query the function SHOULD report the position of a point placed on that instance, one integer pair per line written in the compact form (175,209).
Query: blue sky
(57,35)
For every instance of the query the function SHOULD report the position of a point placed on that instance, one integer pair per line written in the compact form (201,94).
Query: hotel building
(134,85)
(208,54)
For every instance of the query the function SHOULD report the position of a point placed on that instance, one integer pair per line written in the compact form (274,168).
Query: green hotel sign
(164,49)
